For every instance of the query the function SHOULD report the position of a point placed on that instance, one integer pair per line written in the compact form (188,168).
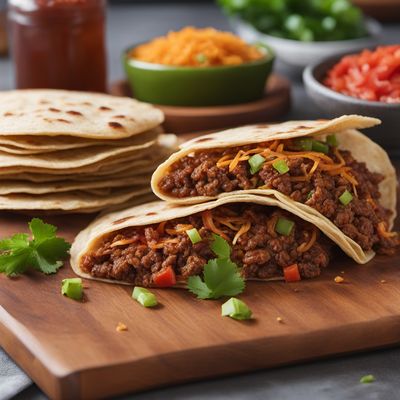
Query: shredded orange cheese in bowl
(191,47)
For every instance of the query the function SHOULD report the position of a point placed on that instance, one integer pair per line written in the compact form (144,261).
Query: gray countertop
(330,379)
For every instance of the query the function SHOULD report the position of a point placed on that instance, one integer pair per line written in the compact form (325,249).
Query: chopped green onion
(367,379)
(320,147)
(194,235)
(236,309)
(284,226)
(332,140)
(304,144)
(256,162)
(310,194)
(281,166)
(72,288)
(201,58)
(346,198)
(144,297)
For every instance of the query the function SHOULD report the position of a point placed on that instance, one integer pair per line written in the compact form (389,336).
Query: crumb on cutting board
(121,327)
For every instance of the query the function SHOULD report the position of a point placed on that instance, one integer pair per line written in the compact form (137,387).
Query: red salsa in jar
(369,75)
(59,44)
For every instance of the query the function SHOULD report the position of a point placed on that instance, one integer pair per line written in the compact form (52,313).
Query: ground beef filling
(260,252)
(200,176)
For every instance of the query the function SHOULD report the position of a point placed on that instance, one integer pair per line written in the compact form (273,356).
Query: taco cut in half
(159,244)
(325,170)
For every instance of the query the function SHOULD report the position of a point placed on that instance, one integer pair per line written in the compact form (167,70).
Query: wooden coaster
(275,103)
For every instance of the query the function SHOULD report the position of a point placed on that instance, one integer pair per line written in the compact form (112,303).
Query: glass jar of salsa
(58,44)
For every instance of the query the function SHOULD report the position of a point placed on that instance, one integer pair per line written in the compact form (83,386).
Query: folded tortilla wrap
(362,150)
(108,248)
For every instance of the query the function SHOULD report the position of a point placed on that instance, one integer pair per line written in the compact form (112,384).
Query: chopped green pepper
(346,197)
(310,194)
(144,297)
(367,379)
(332,140)
(320,147)
(201,58)
(256,162)
(72,288)
(236,309)
(284,226)
(281,166)
(304,144)
(194,235)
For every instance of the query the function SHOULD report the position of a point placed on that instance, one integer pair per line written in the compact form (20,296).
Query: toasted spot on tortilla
(52,109)
(206,139)
(8,114)
(115,125)
(104,108)
(151,213)
(119,116)
(73,112)
(63,120)
(120,221)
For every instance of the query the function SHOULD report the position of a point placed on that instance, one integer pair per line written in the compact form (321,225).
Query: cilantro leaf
(44,252)
(41,231)
(220,247)
(15,263)
(19,240)
(221,275)
(223,278)
(198,287)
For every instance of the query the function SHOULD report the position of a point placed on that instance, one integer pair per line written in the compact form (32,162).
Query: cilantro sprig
(44,252)
(221,274)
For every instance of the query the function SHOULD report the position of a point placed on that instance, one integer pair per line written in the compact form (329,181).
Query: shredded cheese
(209,224)
(383,232)
(307,245)
(161,227)
(244,228)
(179,229)
(271,225)
(122,242)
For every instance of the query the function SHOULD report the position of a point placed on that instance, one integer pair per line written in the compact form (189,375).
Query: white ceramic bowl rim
(310,80)
(374,29)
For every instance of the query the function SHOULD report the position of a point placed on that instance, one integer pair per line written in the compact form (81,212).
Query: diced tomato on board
(165,278)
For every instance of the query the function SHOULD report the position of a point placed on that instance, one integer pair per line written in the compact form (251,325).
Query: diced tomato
(165,278)
(369,75)
(292,273)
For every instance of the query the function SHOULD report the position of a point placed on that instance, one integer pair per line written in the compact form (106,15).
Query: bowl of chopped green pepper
(302,33)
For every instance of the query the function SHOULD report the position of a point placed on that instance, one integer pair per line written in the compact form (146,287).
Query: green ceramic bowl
(198,86)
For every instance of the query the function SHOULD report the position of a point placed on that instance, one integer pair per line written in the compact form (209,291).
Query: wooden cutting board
(73,351)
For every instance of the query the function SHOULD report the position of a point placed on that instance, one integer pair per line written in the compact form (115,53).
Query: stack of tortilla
(68,151)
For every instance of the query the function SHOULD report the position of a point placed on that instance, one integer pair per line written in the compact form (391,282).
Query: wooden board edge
(55,386)
(188,366)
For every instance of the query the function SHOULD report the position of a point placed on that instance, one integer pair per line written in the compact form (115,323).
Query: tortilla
(362,148)
(48,144)
(77,201)
(87,115)
(118,172)
(74,158)
(152,213)
(93,186)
